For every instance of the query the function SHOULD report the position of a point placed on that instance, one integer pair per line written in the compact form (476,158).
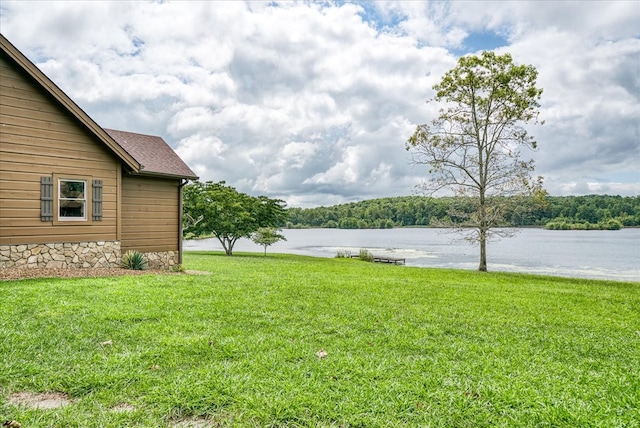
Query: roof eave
(162,175)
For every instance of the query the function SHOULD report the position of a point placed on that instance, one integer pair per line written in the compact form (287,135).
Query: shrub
(348,223)
(366,256)
(343,254)
(561,224)
(612,224)
(178,268)
(134,260)
(557,225)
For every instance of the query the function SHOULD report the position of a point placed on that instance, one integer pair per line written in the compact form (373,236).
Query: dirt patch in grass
(123,408)
(195,422)
(40,400)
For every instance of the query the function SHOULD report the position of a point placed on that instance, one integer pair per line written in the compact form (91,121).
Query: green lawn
(404,347)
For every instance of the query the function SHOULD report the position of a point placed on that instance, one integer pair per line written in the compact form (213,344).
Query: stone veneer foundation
(96,254)
(162,260)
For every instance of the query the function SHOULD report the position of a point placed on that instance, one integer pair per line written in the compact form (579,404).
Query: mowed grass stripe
(404,347)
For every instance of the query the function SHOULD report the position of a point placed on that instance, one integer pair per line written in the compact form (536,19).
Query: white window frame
(84,199)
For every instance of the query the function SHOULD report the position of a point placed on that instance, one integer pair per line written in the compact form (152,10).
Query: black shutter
(46,198)
(97,200)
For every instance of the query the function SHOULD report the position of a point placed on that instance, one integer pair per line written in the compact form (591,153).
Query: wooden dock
(394,260)
(380,259)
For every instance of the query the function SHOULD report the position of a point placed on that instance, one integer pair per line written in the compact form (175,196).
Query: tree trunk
(483,251)
(483,232)
(226,245)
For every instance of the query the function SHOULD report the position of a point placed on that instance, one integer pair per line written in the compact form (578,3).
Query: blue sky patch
(482,41)
(372,16)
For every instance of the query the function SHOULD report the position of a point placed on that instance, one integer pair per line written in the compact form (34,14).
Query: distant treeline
(554,212)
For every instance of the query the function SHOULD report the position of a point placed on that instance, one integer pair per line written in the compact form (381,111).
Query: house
(73,194)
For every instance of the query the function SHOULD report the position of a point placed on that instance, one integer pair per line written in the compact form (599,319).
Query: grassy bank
(293,341)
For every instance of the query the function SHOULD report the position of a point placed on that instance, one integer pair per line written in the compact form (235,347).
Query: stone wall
(100,254)
(162,260)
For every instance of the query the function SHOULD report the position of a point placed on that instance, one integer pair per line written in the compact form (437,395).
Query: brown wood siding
(39,138)
(150,219)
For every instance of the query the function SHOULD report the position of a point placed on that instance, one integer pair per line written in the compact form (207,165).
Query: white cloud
(312,102)
(346,171)
(197,151)
(296,154)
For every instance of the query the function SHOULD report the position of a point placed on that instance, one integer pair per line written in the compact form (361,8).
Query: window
(65,199)
(72,200)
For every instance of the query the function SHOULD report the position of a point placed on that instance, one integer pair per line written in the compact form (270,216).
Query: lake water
(599,254)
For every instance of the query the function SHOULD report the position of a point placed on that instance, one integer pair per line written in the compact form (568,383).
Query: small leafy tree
(228,214)
(266,236)
(473,146)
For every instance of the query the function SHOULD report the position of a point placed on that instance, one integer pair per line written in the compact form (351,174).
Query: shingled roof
(153,154)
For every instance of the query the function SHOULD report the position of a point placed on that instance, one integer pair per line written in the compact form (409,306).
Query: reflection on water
(600,254)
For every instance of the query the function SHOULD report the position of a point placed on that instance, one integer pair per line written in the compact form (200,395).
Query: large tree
(474,145)
(228,214)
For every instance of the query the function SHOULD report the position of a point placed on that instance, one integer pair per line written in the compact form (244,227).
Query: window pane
(71,189)
(71,200)
(71,208)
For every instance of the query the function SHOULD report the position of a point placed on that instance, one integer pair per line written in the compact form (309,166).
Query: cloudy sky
(313,102)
